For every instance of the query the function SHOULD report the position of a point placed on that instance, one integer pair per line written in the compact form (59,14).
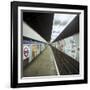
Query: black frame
(14,44)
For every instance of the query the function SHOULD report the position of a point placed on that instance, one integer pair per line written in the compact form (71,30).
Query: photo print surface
(50,44)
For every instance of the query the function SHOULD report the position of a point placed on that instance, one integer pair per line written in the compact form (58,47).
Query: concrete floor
(43,65)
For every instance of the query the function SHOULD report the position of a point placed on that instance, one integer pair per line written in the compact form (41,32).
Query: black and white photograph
(50,44)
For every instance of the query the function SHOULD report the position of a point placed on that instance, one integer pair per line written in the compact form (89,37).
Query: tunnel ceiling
(71,29)
(40,22)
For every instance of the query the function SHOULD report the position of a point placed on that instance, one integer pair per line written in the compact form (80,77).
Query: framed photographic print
(48,44)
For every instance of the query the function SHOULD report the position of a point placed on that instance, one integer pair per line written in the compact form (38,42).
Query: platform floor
(42,65)
(51,62)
